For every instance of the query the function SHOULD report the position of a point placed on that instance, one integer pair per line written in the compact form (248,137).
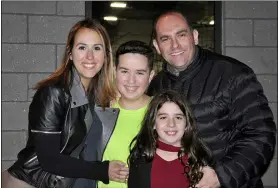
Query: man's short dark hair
(136,47)
(154,34)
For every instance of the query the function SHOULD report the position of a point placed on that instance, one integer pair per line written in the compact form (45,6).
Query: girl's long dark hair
(143,146)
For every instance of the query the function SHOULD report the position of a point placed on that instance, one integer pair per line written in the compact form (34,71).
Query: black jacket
(232,115)
(50,114)
(140,175)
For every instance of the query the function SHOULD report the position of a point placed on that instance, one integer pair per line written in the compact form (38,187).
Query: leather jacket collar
(77,92)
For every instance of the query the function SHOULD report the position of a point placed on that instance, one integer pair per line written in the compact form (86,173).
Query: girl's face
(88,54)
(170,124)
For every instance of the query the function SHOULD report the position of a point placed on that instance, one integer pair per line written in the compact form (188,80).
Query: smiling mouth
(131,88)
(171,133)
(89,65)
(176,53)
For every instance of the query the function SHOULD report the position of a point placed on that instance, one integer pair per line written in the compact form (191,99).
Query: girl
(167,152)
(58,127)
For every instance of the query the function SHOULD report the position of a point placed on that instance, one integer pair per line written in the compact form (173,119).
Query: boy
(134,63)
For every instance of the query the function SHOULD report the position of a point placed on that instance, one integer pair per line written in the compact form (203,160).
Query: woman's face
(88,54)
(170,124)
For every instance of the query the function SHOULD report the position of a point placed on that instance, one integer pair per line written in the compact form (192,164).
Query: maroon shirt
(168,174)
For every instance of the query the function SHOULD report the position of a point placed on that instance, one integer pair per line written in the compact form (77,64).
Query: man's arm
(251,149)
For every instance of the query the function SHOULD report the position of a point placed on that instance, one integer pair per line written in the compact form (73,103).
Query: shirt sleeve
(49,156)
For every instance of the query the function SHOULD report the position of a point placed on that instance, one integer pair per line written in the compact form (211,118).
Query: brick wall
(250,35)
(33,39)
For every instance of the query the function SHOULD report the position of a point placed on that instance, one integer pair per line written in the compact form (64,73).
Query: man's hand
(209,179)
(118,171)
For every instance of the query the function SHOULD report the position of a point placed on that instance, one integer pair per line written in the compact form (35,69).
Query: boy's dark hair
(137,47)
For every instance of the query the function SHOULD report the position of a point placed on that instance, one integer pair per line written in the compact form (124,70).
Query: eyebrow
(179,32)
(81,43)
(123,68)
(182,31)
(139,70)
(178,114)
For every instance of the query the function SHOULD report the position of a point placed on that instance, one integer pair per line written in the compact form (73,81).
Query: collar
(78,96)
(176,71)
(192,69)
(167,147)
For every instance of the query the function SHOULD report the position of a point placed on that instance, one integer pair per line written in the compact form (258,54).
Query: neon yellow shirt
(127,127)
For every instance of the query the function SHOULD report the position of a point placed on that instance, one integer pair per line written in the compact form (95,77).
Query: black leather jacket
(51,112)
(232,115)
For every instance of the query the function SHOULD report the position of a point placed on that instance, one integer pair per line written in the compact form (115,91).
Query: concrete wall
(33,38)
(250,35)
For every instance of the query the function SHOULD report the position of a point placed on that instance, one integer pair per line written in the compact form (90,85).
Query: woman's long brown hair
(101,88)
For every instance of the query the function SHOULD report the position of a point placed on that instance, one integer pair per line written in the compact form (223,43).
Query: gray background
(33,38)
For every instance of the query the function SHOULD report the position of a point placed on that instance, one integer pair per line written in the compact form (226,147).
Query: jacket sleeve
(132,177)
(155,85)
(150,90)
(251,149)
(46,115)
(47,110)
(139,175)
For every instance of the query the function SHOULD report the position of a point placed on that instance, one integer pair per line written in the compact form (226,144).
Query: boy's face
(133,76)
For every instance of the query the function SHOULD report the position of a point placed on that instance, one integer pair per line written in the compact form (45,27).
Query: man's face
(175,41)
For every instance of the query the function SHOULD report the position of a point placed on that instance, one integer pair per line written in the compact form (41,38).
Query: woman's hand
(118,171)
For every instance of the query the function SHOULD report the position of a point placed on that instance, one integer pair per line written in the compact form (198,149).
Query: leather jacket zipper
(68,131)
(42,180)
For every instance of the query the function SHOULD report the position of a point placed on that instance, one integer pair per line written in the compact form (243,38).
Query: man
(228,102)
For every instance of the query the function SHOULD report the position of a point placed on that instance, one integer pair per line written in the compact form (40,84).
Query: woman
(58,127)
(167,152)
